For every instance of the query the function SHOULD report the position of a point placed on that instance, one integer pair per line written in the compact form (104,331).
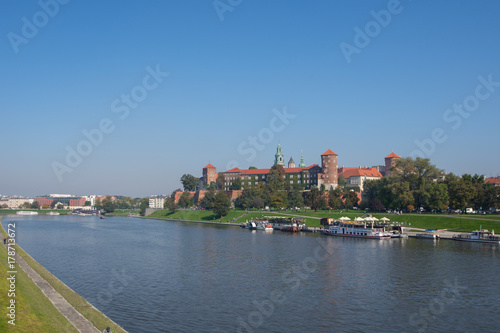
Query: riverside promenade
(81,323)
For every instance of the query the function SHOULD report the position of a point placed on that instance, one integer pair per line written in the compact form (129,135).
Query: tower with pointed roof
(209,174)
(291,163)
(279,159)
(302,164)
(390,161)
(329,176)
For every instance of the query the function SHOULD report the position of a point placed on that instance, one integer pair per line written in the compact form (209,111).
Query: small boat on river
(356,230)
(480,236)
(427,236)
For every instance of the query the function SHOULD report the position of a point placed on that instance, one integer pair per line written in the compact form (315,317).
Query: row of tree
(417,184)
(216,201)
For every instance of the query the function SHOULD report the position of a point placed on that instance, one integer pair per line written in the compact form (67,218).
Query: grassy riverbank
(33,311)
(455,222)
(36,313)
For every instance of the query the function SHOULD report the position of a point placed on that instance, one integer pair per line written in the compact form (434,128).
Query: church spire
(278,157)
(302,164)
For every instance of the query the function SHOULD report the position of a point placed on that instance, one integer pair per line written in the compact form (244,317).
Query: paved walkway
(81,323)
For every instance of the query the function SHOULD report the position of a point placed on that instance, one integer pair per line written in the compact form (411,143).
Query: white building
(356,177)
(157,201)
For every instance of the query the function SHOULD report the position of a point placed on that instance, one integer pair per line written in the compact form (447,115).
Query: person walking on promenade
(107,330)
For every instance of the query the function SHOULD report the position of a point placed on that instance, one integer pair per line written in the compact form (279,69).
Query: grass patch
(197,215)
(97,318)
(124,212)
(34,311)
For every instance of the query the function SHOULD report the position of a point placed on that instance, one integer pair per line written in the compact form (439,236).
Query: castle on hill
(326,174)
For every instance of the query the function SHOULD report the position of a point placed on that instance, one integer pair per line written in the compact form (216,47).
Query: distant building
(157,201)
(493,180)
(14,203)
(306,177)
(390,161)
(70,202)
(356,177)
(209,174)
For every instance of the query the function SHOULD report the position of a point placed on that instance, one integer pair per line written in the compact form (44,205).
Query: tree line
(418,184)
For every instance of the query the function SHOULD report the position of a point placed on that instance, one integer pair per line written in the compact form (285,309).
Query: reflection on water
(182,277)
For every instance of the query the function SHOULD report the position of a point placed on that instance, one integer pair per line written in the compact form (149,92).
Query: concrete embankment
(53,289)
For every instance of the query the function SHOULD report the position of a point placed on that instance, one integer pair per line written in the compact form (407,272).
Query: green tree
(222,204)
(341,181)
(461,191)
(295,198)
(170,204)
(143,205)
(350,199)
(376,204)
(279,200)
(403,195)
(335,198)
(108,204)
(35,205)
(189,182)
(208,200)
(60,206)
(275,180)
(438,196)
(316,199)
(186,200)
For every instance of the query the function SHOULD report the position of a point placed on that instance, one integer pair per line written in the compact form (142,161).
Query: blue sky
(233,66)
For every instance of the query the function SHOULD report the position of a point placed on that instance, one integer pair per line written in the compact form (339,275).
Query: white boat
(480,236)
(265,226)
(427,236)
(53,213)
(26,213)
(357,230)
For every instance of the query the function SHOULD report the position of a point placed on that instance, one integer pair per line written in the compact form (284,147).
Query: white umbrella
(385,219)
(375,219)
(359,219)
(369,219)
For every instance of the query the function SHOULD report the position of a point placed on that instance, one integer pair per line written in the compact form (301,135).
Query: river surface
(160,276)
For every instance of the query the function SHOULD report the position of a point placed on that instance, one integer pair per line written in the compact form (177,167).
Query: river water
(160,276)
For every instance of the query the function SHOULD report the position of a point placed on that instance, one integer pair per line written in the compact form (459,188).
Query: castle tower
(209,174)
(302,164)
(278,157)
(291,163)
(390,161)
(329,177)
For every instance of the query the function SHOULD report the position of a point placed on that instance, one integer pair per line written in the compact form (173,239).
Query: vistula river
(160,276)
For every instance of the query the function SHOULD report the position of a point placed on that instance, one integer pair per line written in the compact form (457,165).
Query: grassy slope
(34,312)
(464,223)
(81,305)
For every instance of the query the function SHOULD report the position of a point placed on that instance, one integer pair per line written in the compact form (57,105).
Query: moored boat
(480,236)
(53,213)
(23,212)
(427,236)
(356,230)
(265,226)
